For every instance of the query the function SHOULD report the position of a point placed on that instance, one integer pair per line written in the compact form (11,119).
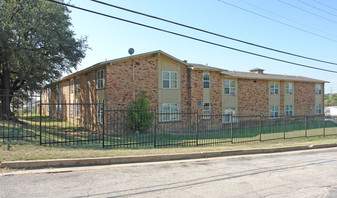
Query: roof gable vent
(257,70)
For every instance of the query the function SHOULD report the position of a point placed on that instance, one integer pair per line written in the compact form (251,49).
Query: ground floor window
(319,109)
(100,113)
(274,112)
(169,112)
(289,110)
(229,115)
(78,110)
(206,111)
(71,110)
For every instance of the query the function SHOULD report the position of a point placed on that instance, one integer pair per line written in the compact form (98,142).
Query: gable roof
(195,66)
(97,65)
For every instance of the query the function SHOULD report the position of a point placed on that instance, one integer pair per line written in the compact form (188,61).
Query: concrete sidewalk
(34,164)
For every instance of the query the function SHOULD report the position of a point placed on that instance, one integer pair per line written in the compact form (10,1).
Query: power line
(325,5)
(246,10)
(317,8)
(289,19)
(192,38)
(307,11)
(212,33)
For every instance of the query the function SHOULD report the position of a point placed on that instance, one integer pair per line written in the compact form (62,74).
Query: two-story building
(178,86)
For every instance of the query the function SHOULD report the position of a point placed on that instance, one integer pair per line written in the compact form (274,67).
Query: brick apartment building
(178,86)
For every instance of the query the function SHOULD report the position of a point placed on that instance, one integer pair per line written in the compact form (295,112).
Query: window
(71,110)
(170,79)
(100,79)
(71,86)
(100,113)
(206,80)
(206,111)
(78,88)
(230,87)
(319,109)
(274,111)
(289,88)
(318,89)
(289,110)
(169,112)
(60,89)
(274,88)
(78,110)
(229,115)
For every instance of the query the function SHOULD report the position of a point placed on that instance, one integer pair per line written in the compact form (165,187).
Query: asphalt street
(310,173)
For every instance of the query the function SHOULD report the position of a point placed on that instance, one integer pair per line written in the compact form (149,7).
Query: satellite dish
(131,51)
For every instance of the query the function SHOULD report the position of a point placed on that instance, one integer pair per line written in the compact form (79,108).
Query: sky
(303,27)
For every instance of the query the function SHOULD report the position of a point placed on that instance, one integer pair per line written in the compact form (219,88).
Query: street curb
(34,164)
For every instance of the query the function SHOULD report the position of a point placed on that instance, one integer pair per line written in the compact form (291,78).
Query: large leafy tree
(36,46)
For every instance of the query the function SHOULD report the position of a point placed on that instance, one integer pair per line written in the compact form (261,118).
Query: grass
(25,150)
(81,142)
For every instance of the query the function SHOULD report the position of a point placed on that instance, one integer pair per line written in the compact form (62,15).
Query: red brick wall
(304,98)
(253,97)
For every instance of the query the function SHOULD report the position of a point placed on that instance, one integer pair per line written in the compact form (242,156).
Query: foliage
(36,44)
(140,114)
(330,99)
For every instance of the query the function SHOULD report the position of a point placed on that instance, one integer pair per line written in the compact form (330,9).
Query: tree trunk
(6,95)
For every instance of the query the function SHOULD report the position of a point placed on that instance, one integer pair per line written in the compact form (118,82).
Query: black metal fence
(28,118)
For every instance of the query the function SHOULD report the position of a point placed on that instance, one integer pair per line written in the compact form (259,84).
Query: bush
(140,114)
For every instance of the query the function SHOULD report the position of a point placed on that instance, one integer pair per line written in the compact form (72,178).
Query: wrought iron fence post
(305,125)
(196,128)
(41,118)
(231,120)
(284,127)
(155,128)
(323,126)
(260,128)
(103,125)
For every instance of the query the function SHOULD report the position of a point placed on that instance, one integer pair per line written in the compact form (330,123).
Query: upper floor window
(169,112)
(274,88)
(289,88)
(170,79)
(100,79)
(77,82)
(318,89)
(289,110)
(206,110)
(319,109)
(230,87)
(206,80)
(71,86)
(229,115)
(274,111)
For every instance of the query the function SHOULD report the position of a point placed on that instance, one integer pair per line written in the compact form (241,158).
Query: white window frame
(71,86)
(275,89)
(100,113)
(77,85)
(170,80)
(229,115)
(205,81)
(289,110)
(231,89)
(71,110)
(319,109)
(60,88)
(206,110)
(100,79)
(289,90)
(274,111)
(318,89)
(78,110)
(171,115)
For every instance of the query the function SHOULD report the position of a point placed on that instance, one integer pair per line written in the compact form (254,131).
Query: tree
(140,113)
(36,46)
